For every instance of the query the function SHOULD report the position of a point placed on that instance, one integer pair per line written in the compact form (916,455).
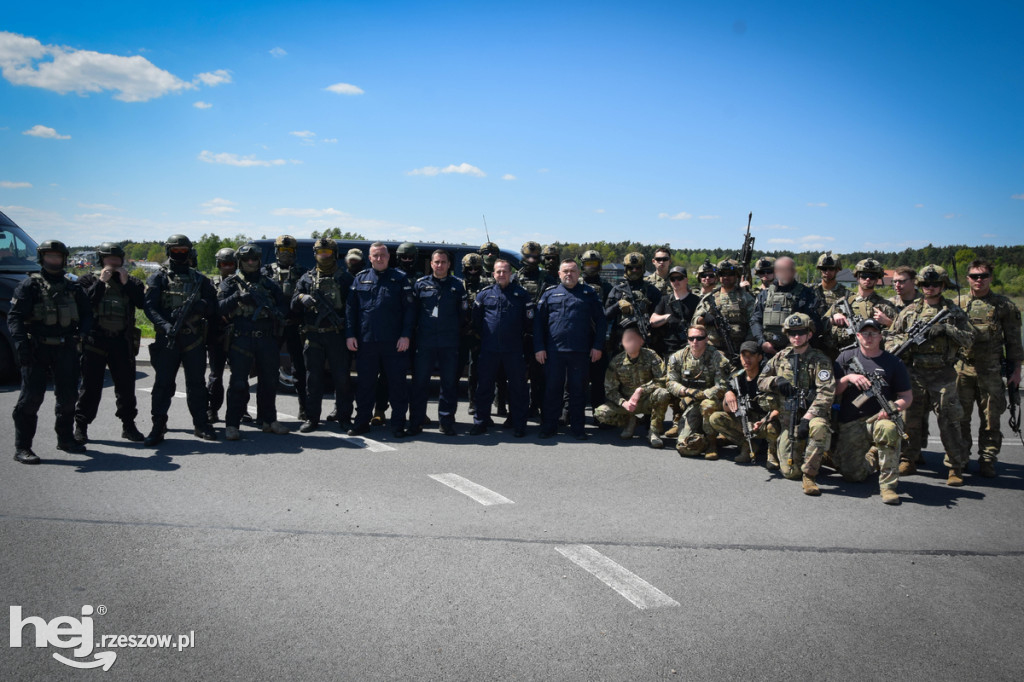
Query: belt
(99,331)
(53,340)
(310,329)
(255,333)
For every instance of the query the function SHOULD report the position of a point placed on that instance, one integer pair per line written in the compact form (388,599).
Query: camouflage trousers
(984,389)
(696,432)
(728,426)
(654,401)
(936,389)
(802,456)
(856,438)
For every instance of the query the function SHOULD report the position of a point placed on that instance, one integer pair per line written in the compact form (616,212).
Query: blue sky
(840,125)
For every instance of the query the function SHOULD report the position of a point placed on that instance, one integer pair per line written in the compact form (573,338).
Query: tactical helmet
(226,255)
(530,249)
(591,254)
(765,265)
(489,248)
(797,322)
(728,267)
(52,245)
(287,241)
(827,260)
(407,249)
(551,251)
(247,252)
(354,254)
(472,260)
(109,249)
(176,240)
(706,268)
(933,274)
(869,267)
(325,243)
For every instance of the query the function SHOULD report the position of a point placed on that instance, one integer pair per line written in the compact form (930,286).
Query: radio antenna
(486,231)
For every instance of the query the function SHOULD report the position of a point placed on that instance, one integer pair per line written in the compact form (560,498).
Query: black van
(457,251)
(17,261)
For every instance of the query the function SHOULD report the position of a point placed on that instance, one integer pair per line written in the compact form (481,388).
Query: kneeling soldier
(697,376)
(634,385)
(748,413)
(874,387)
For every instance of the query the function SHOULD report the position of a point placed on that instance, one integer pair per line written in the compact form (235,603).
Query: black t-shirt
(681,310)
(895,373)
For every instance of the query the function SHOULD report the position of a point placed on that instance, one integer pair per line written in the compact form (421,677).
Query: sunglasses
(473,269)
(979,275)
(868,335)
(867,276)
(931,285)
(325,252)
(635,268)
(286,249)
(676,279)
(696,338)
(174,249)
(661,260)
(249,258)
(708,276)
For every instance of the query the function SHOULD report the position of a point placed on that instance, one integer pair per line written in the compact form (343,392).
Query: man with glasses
(707,277)
(630,299)
(903,282)
(287,273)
(551,256)
(777,303)
(662,261)
(697,376)
(868,437)
(864,303)
(828,290)
(996,324)
(802,378)
(734,304)
(932,372)
(672,317)
(568,335)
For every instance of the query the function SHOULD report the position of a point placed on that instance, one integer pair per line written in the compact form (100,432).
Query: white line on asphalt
(470,489)
(641,593)
(177,394)
(368,443)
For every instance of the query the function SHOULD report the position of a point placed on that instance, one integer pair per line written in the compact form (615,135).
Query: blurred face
(662,261)
(785,270)
(751,361)
(632,341)
(53,261)
(439,265)
(980,280)
(112,262)
(379,258)
(569,274)
(502,273)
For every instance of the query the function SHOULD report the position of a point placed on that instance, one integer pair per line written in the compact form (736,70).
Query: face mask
(286,258)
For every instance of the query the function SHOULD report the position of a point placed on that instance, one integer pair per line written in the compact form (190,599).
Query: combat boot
(206,432)
(69,444)
(81,432)
(744,457)
(629,429)
(772,463)
(889,496)
(156,434)
(907,468)
(275,427)
(232,433)
(810,487)
(987,468)
(309,426)
(655,440)
(211,416)
(130,432)
(872,457)
(378,418)
(711,451)
(955,478)
(673,430)
(25,456)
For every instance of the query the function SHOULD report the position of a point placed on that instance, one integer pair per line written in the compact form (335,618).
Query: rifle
(743,407)
(746,253)
(877,391)
(324,308)
(722,327)
(261,300)
(640,317)
(184,312)
(853,319)
(918,332)
(1013,401)
(797,403)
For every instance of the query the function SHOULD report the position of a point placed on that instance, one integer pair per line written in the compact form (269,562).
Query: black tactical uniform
(469,346)
(178,290)
(535,281)
(592,277)
(631,298)
(286,275)
(111,343)
(218,339)
(48,313)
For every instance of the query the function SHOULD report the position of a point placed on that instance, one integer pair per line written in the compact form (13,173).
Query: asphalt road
(312,556)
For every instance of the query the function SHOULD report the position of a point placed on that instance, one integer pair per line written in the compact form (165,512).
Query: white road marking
(470,489)
(641,593)
(177,394)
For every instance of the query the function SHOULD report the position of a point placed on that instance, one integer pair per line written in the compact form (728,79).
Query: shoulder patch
(824,375)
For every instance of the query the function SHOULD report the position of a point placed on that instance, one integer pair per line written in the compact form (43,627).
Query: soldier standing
(630,299)
(904,284)
(869,439)
(996,324)
(634,385)
(114,295)
(733,303)
(777,303)
(674,311)
(762,416)
(256,307)
(764,270)
(218,341)
(354,261)
(536,281)
(592,261)
(551,257)
(932,372)
(489,252)
(864,303)
(697,377)
(179,300)
(320,296)
(662,261)
(48,315)
(707,277)
(828,290)
(802,378)
(286,274)
(469,345)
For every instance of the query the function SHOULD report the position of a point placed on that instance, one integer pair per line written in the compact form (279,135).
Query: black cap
(750,347)
(677,270)
(869,322)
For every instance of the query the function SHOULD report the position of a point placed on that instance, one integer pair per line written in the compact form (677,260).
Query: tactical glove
(783,387)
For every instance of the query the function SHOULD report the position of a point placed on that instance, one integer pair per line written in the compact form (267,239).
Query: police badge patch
(824,375)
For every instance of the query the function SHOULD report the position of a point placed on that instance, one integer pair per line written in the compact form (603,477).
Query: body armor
(56,305)
(287,277)
(114,313)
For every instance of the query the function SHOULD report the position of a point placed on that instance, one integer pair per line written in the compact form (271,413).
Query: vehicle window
(16,253)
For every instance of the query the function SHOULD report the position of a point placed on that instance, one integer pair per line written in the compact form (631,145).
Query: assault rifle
(797,403)
(184,312)
(722,327)
(918,332)
(1013,401)
(640,316)
(743,407)
(324,308)
(853,320)
(746,253)
(877,391)
(261,300)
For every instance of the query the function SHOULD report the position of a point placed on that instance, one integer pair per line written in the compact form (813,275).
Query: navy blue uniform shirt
(501,317)
(380,307)
(441,311)
(569,320)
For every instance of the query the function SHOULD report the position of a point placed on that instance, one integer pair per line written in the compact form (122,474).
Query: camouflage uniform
(815,374)
(729,426)
(700,384)
(934,378)
(899,304)
(660,283)
(997,327)
(737,307)
(623,376)
(842,337)
(828,297)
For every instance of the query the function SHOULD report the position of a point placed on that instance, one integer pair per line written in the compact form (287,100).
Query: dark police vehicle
(17,261)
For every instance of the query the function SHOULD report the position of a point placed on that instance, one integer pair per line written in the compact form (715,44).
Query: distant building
(846,276)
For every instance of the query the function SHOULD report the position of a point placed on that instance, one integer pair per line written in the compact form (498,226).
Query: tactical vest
(178,289)
(695,372)
(934,352)
(982,315)
(55,306)
(114,313)
(829,296)
(733,312)
(329,288)
(248,310)
(778,305)
(286,277)
(534,284)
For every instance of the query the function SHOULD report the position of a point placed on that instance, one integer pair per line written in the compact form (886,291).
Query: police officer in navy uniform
(568,335)
(501,314)
(256,307)
(320,296)
(168,291)
(441,312)
(216,343)
(48,314)
(286,273)
(380,314)
(114,295)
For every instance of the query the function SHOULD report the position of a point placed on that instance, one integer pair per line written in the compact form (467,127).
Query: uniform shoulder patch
(824,375)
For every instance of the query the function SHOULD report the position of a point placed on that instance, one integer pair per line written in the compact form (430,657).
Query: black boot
(25,456)
(310,426)
(211,416)
(81,432)
(130,432)
(206,432)
(156,434)
(68,443)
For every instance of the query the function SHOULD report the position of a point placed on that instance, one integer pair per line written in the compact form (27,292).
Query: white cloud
(598,210)
(219,206)
(708,217)
(307,212)
(813,246)
(682,215)
(950,216)
(7,184)
(26,61)
(213,78)
(344,89)
(329,140)
(543,170)
(303,133)
(781,240)
(922,205)
(989,235)
(227,159)
(99,207)
(202,105)
(820,204)
(508,176)
(1018,196)
(816,238)
(46,133)
(277,52)
(461,169)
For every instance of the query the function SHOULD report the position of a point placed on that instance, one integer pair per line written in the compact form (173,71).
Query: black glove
(783,386)
(803,429)
(25,358)
(709,317)
(246,297)
(936,331)
(166,328)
